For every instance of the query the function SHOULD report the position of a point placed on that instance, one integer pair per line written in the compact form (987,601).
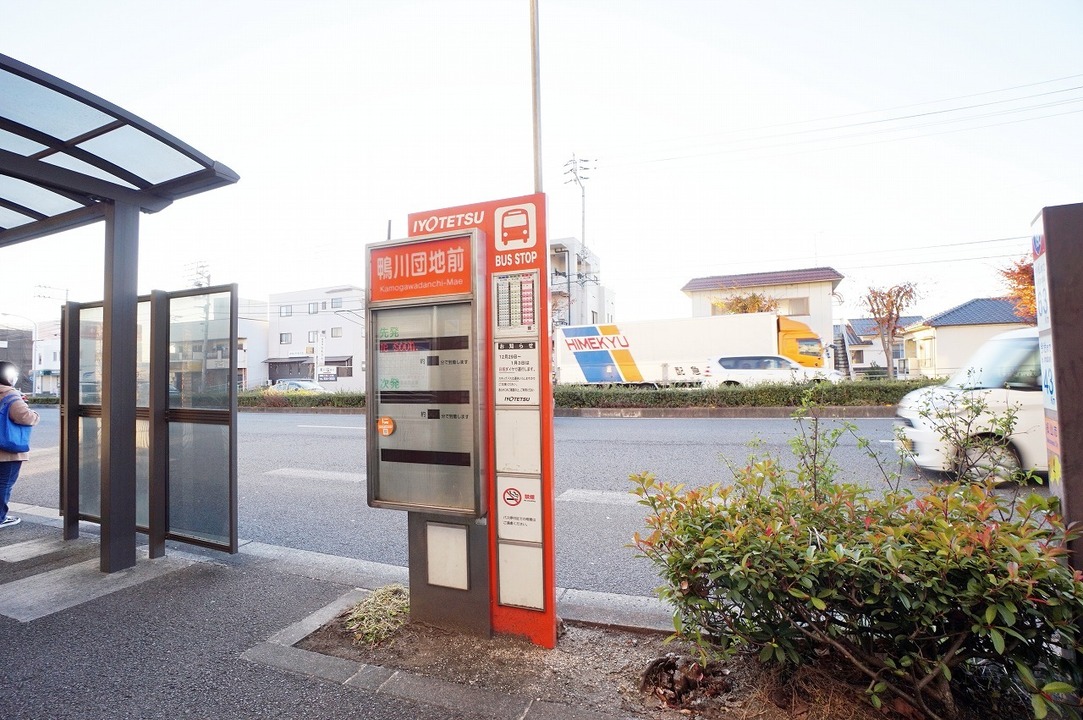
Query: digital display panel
(423,407)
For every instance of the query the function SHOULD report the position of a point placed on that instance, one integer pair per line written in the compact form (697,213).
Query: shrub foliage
(849,393)
(911,590)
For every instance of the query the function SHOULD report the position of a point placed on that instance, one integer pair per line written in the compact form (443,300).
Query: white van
(1004,374)
(756,369)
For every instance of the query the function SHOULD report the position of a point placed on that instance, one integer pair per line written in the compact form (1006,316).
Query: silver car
(300,385)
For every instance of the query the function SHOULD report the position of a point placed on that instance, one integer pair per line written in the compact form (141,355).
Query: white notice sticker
(518,380)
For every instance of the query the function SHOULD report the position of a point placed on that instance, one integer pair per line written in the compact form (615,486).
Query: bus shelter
(69,158)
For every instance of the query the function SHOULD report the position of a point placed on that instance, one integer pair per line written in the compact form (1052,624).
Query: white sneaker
(9,521)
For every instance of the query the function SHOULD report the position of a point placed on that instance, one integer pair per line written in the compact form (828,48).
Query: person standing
(11,463)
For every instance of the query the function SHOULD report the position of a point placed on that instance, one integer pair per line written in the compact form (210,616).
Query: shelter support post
(159,428)
(69,419)
(118,483)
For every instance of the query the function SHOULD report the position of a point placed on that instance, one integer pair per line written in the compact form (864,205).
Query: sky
(895,142)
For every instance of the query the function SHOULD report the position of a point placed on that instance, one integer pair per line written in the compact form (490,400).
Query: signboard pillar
(519,479)
(1058,275)
(427,352)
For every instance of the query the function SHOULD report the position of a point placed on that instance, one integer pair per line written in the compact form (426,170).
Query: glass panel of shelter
(201,487)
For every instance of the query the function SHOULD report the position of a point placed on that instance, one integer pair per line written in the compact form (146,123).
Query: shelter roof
(65,152)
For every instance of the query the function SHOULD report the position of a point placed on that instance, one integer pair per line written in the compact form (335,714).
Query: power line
(884,110)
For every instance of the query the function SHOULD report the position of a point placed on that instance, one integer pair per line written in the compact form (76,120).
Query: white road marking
(598,497)
(318,474)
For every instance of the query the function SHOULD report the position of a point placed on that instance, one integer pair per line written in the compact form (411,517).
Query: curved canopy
(63,151)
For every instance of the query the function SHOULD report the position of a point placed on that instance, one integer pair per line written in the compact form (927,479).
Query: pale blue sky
(906,141)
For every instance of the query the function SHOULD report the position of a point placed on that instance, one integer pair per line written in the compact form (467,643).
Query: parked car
(297,386)
(1005,374)
(756,369)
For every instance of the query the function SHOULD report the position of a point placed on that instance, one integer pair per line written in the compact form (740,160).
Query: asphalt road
(302,482)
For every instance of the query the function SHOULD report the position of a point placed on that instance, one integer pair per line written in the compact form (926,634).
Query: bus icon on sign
(515,227)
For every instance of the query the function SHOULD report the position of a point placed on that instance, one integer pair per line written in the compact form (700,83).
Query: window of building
(796,306)
(285,338)
(336,332)
(313,335)
(342,367)
(313,308)
(336,303)
(859,357)
(285,310)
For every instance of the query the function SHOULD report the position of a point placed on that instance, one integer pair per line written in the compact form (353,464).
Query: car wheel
(989,458)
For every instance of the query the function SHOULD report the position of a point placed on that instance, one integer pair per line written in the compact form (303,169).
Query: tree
(885,306)
(1019,278)
(752,302)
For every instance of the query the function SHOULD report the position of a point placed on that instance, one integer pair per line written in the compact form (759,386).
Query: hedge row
(767,395)
(595,396)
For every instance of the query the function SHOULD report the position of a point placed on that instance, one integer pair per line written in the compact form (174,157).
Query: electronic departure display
(423,393)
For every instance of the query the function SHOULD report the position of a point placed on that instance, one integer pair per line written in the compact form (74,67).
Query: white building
(318,334)
(576,294)
(805,295)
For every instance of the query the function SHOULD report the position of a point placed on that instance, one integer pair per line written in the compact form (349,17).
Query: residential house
(941,344)
(805,295)
(859,350)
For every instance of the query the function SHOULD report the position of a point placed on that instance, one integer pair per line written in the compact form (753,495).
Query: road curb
(835,411)
(752,413)
(279,652)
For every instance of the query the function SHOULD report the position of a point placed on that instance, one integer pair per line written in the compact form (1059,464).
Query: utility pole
(576,167)
(199,273)
(535,92)
(33,350)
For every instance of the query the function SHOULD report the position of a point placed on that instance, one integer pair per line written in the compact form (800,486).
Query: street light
(33,350)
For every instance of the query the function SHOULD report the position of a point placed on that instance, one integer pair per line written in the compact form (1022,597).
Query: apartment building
(318,334)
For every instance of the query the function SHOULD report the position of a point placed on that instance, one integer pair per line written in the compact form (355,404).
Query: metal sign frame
(420,294)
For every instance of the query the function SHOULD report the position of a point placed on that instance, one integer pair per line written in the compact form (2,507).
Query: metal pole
(536,93)
(118,389)
(583,208)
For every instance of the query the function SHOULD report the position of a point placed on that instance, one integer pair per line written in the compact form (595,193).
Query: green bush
(846,393)
(300,399)
(912,591)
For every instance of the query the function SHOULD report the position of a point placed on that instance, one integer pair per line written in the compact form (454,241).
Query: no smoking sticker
(518,514)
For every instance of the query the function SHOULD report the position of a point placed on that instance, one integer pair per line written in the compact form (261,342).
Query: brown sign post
(1058,280)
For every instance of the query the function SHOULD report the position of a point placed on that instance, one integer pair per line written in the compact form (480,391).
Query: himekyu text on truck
(674,352)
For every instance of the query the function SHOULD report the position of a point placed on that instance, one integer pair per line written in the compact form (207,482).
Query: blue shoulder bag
(14,438)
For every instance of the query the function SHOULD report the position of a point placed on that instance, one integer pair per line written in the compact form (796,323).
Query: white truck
(674,352)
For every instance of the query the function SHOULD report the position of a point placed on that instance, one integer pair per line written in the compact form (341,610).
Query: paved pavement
(208,635)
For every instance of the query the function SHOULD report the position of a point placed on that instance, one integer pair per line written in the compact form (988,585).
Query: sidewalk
(209,635)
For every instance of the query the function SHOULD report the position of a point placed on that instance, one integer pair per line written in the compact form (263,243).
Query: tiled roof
(867,326)
(754,280)
(979,311)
